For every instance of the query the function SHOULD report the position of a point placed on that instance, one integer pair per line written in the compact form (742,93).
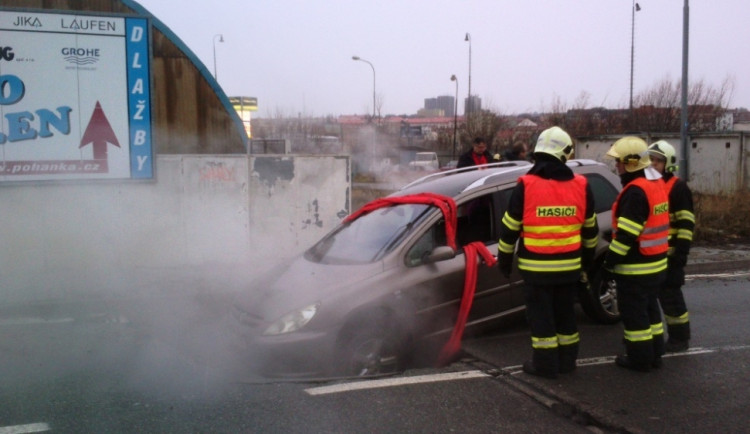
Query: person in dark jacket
(516,152)
(551,209)
(637,255)
(681,226)
(478,155)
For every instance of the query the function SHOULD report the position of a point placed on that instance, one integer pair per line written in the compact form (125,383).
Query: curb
(713,267)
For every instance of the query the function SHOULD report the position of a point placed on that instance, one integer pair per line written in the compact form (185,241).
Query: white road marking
(716,275)
(22,429)
(32,321)
(465,375)
(390,382)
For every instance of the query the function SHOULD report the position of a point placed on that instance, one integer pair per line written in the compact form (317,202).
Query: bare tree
(658,108)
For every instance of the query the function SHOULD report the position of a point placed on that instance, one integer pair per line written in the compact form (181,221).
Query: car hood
(298,283)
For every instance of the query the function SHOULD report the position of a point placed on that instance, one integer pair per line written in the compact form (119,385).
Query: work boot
(566,369)
(567,355)
(529,368)
(625,362)
(676,346)
(657,363)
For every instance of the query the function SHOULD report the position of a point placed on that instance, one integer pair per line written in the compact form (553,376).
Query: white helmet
(632,151)
(665,151)
(556,142)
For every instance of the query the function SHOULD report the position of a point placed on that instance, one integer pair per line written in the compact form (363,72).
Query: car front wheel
(598,298)
(371,347)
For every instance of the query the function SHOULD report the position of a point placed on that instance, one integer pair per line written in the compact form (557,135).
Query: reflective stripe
(568,339)
(544,343)
(656,229)
(677,320)
(685,234)
(638,335)
(511,223)
(636,269)
(546,242)
(655,242)
(590,243)
(505,247)
(629,226)
(619,248)
(684,215)
(557,229)
(549,265)
(589,223)
(657,329)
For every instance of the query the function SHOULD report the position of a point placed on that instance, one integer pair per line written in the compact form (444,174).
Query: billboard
(75,97)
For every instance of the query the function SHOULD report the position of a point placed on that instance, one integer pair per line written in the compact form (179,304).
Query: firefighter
(637,255)
(681,225)
(551,209)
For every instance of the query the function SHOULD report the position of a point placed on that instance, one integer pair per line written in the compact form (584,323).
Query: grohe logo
(6,53)
(81,56)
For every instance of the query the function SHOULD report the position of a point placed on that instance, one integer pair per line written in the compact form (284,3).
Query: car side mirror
(441,253)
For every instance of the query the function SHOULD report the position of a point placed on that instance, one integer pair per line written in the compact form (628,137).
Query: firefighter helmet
(665,151)
(556,142)
(632,151)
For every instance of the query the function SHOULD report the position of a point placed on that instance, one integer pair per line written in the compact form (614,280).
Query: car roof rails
(437,175)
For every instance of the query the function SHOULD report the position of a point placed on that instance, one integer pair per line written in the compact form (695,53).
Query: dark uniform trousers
(641,318)
(673,303)
(550,310)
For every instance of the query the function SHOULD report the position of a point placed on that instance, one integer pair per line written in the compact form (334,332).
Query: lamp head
(467,38)
(355,57)
(453,77)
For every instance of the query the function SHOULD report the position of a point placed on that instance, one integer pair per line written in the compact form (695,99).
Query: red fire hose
(470,285)
(448,206)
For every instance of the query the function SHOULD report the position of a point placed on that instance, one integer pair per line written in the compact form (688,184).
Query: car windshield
(368,238)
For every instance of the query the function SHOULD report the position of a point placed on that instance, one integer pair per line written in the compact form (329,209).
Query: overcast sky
(295,56)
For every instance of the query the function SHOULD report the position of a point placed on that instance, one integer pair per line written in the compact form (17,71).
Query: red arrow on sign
(99,132)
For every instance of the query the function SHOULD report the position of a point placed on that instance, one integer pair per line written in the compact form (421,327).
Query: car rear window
(604,192)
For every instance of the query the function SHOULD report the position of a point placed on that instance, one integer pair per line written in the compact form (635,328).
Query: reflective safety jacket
(553,214)
(552,211)
(681,217)
(642,221)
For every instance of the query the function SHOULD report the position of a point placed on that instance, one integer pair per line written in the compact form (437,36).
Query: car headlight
(292,321)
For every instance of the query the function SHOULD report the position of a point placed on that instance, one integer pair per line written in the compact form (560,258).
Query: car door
(439,298)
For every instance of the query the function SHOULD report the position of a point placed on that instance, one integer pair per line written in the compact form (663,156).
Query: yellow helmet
(556,142)
(666,151)
(632,151)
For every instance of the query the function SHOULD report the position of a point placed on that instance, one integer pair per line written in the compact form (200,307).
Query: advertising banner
(75,97)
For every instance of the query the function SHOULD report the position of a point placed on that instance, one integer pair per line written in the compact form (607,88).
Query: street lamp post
(373,83)
(221,39)
(684,167)
(636,8)
(469,106)
(455,117)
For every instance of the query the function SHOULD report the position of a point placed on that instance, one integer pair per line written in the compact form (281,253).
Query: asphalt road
(157,365)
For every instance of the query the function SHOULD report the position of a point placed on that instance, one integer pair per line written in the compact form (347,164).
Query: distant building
(472,105)
(430,113)
(446,103)
(244,106)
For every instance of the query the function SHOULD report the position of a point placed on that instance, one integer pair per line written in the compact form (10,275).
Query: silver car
(385,288)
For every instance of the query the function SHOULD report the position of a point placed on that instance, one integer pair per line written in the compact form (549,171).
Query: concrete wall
(202,212)
(717,162)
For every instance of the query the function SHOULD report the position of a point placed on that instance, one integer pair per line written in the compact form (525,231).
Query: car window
(604,192)
(475,222)
(369,237)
